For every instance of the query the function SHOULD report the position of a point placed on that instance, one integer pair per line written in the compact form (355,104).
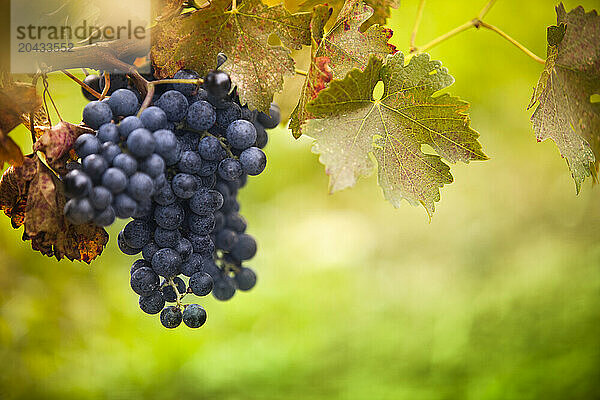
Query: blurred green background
(498,297)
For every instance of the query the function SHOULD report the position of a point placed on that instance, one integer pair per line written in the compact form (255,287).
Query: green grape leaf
(194,40)
(351,128)
(381,9)
(31,195)
(339,50)
(565,111)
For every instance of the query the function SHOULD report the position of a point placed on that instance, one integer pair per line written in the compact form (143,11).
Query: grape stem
(301,72)
(413,35)
(476,22)
(150,89)
(178,296)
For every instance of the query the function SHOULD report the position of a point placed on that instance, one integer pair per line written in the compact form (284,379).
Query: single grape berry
(190,162)
(201,283)
(245,248)
(86,144)
(168,146)
(141,186)
(153,303)
(200,224)
(166,262)
(174,104)
(154,118)
(77,184)
(114,180)
(141,143)
(230,169)
(126,249)
(144,281)
(201,115)
(123,102)
(245,279)
(217,83)
(241,134)
(170,317)
(194,316)
(223,289)
(96,114)
(253,161)
(137,234)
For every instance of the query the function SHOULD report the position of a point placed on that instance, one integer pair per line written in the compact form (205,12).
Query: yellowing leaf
(16,99)
(31,195)
(565,112)
(352,126)
(339,50)
(193,40)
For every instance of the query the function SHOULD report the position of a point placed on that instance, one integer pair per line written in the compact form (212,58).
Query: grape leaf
(193,40)
(381,9)
(16,99)
(565,112)
(342,48)
(57,141)
(31,195)
(352,126)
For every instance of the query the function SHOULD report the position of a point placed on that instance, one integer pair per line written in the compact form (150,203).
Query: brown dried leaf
(57,141)
(32,195)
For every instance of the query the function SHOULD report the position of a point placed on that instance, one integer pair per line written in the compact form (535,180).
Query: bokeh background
(498,297)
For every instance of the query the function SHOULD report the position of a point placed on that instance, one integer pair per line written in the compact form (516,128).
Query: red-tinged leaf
(32,195)
(194,40)
(338,51)
(57,141)
(565,112)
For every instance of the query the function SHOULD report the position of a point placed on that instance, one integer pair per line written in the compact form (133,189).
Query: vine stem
(413,35)
(485,9)
(477,23)
(301,72)
(513,41)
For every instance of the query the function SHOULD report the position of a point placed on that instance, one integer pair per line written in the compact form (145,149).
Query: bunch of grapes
(176,169)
